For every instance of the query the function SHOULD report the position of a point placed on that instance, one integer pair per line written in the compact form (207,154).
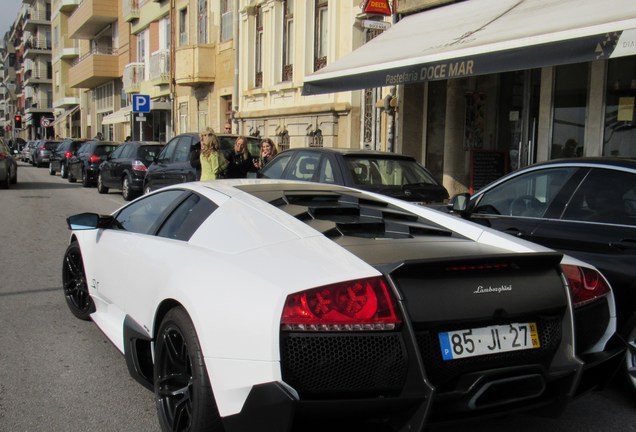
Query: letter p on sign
(141,103)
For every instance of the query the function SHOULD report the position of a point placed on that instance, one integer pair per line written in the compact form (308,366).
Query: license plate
(488,340)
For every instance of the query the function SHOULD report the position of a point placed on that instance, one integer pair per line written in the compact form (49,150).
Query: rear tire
(183,394)
(51,170)
(4,184)
(63,171)
(85,181)
(126,189)
(75,285)
(629,364)
(100,185)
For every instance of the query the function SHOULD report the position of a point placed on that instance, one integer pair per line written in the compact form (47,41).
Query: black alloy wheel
(183,394)
(126,189)
(75,285)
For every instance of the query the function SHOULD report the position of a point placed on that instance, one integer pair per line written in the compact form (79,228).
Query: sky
(8,13)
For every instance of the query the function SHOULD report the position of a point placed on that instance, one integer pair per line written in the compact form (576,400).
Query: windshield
(388,172)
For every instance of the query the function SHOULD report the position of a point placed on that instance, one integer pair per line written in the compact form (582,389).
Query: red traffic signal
(17,122)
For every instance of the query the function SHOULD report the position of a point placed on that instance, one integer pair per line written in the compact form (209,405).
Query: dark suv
(84,164)
(126,167)
(179,162)
(60,157)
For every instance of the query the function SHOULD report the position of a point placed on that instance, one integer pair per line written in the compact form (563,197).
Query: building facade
(66,99)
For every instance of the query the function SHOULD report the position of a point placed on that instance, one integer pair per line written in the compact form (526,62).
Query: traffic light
(17,122)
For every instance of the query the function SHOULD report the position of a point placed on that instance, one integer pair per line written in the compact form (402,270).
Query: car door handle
(624,245)
(514,231)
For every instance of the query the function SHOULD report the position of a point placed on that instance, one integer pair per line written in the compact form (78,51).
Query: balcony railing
(133,77)
(160,67)
(37,43)
(130,10)
(95,51)
(37,15)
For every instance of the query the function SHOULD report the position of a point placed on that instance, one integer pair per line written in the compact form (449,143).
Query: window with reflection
(288,40)
(321,34)
(619,138)
(143,215)
(258,49)
(570,104)
(527,195)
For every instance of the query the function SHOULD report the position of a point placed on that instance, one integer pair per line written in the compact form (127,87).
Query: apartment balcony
(195,65)
(68,53)
(94,69)
(90,17)
(130,10)
(133,77)
(65,96)
(36,46)
(38,105)
(35,18)
(36,78)
(160,67)
(66,5)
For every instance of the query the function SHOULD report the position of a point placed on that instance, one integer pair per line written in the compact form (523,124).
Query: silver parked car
(42,152)
(8,166)
(27,150)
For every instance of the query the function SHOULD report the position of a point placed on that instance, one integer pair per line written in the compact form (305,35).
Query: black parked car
(8,166)
(126,167)
(60,157)
(86,160)
(179,162)
(585,207)
(391,174)
(42,152)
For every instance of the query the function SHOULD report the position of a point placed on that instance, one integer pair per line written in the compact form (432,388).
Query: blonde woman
(213,163)
(268,151)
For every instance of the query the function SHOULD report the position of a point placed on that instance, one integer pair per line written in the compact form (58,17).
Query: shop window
(619,137)
(570,104)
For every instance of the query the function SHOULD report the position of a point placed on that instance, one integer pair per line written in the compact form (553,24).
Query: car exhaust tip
(508,390)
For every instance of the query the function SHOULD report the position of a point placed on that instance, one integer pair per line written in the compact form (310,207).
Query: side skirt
(138,353)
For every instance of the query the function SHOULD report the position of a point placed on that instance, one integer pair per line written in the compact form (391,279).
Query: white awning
(120,116)
(63,116)
(479,37)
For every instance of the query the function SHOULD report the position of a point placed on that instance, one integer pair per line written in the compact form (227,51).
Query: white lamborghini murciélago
(275,306)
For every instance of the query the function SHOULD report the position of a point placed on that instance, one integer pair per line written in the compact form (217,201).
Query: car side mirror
(459,203)
(89,221)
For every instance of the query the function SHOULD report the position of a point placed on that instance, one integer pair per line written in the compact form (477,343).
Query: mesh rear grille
(444,373)
(345,365)
(590,322)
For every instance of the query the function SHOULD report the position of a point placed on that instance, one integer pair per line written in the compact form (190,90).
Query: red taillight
(585,284)
(94,159)
(139,166)
(68,154)
(358,305)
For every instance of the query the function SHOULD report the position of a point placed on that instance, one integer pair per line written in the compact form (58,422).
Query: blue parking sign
(141,103)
